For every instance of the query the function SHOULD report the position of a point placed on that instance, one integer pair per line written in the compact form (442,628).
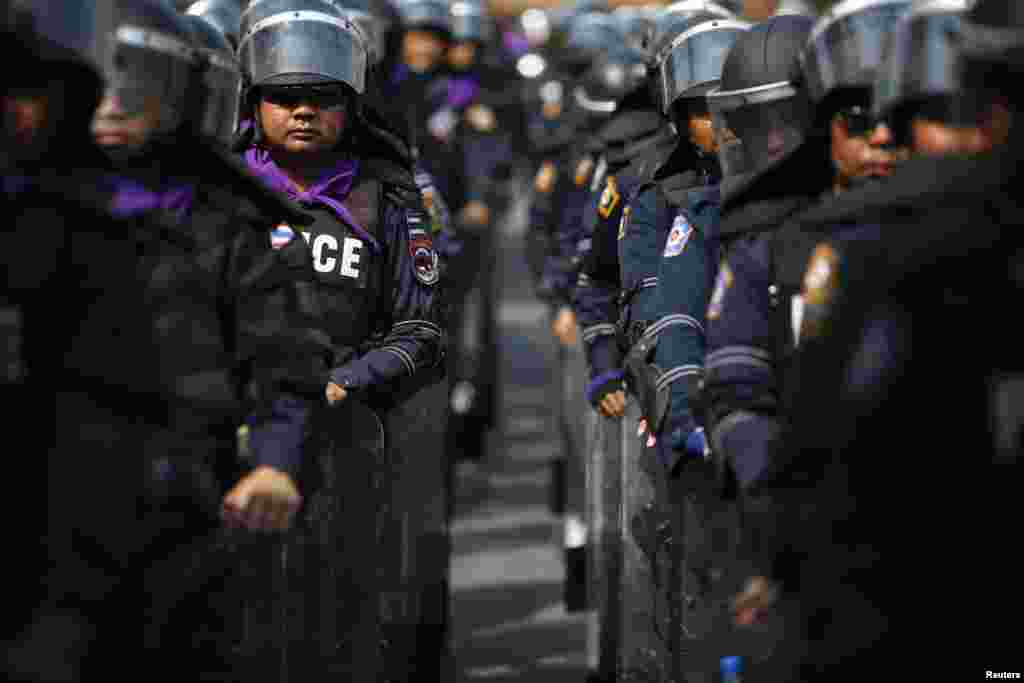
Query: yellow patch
(609,198)
(723,282)
(482,118)
(820,279)
(821,282)
(624,222)
(583,170)
(545,180)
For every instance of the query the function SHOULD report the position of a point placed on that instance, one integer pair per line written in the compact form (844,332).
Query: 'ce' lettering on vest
(324,246)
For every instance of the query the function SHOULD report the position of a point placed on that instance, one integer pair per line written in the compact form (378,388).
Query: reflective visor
(148,64)
(304,43)
(921,63)
(696,57)
(753,136)
(847,52)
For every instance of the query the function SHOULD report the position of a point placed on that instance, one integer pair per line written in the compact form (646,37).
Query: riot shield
(571,472)
(644,526)
(414,538)
(310,598)
(702,555)
(604,567)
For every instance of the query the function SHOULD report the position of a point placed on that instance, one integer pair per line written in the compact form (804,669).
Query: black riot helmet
(153,60)
(920,74)
(301,42)
(845,49)
(992,48)
(691,63)
(471,22)
(225,15)
(682,15)
(618,72)
(431,15)
(760,110)
(220,82)
(54,35)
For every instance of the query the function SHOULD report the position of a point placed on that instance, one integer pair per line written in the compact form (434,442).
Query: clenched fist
(265,500)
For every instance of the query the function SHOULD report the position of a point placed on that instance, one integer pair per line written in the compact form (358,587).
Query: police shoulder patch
(821,282)
(584,168)
(545,180)
(678,236)
(723,281)
(624,222)
(609,198)
(421,248)
(820,279)
(281,236)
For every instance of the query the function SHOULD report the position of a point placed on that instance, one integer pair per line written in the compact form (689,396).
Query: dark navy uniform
(879,516)
(376,278)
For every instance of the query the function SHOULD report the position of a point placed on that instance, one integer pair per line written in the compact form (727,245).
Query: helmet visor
(316,44)
(149,65)
(847,52)
(695,59)
(757,127)
(921,62)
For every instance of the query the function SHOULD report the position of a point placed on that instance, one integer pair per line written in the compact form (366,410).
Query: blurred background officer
(869,399)
(80,380)
(238,327)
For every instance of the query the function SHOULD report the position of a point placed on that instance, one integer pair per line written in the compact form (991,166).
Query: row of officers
(246,305)
(778,239)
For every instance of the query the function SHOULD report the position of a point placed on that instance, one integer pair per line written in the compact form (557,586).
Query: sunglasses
(328,98)
(859,121)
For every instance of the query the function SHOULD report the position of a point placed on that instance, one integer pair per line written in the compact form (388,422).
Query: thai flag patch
(281,236)
(678,236)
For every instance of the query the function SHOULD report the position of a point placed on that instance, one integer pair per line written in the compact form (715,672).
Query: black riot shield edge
(414,536)
(310,597)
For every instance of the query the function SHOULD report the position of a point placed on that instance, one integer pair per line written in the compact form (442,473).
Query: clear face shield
(757,127)
(848,50)
(695,58)
(305,42)
(147,67)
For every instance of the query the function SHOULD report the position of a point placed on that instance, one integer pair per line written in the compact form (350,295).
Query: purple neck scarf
(461,91)
(131,198)
(330,191)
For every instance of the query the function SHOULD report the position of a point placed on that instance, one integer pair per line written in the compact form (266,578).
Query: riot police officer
(377,276)
(875,351)
(83,400)
(749,315)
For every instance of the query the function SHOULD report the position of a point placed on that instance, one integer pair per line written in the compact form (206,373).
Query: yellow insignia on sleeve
(722,284)
(583,170)
(624,222)
(545,180)
(482,118)
(821,282)
(609,198)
